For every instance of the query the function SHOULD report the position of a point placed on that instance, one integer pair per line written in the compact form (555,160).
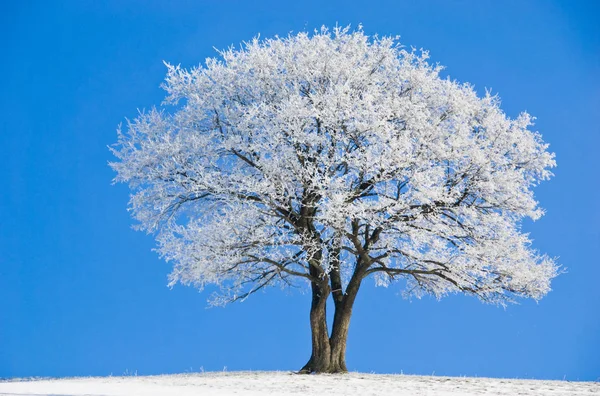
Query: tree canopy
(296,159)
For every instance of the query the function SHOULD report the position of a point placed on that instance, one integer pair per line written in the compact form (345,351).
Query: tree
(323,159)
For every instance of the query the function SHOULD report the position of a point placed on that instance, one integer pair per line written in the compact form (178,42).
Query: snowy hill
(284,383)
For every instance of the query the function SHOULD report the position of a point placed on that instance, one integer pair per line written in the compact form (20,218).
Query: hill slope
(253,383)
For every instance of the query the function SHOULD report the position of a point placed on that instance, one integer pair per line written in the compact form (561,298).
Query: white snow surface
(252,383)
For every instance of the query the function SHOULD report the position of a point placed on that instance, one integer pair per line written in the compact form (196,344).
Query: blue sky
(81,293)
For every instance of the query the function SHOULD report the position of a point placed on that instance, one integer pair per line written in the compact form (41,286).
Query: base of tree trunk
(328,371)
(324,366)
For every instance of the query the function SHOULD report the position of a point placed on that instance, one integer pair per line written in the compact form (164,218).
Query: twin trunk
(329,352)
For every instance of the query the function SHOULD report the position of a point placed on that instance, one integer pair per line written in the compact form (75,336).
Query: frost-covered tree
(323,159)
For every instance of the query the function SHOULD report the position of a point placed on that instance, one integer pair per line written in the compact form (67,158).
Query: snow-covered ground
(285,383)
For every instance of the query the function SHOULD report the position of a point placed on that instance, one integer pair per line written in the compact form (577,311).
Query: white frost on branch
(290,152)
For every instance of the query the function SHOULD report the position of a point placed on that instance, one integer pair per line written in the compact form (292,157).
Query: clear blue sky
(81,293)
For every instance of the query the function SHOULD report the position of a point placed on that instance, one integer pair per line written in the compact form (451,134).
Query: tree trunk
(339,337)
(329,353)
(320,359)
(341,324)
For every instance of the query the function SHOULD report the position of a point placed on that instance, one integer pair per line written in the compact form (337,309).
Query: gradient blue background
(83,294)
